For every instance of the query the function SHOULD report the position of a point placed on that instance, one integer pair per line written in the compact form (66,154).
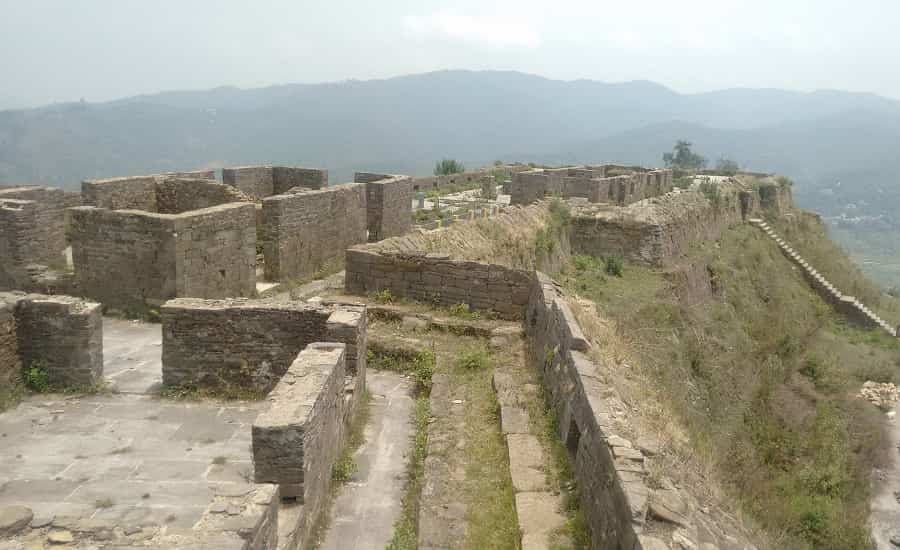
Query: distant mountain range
(841,148)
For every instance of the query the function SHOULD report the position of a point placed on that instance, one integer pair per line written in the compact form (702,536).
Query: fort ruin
(255,470)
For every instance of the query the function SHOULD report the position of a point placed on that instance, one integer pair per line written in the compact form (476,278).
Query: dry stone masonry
(596,184)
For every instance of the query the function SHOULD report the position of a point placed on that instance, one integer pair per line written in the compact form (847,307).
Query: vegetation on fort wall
(762,375)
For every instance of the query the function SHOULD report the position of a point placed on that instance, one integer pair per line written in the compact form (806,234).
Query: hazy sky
(64,50)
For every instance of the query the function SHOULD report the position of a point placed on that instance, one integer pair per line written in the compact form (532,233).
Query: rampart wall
(388,204)
(9,350)
(609,471)
(306,231)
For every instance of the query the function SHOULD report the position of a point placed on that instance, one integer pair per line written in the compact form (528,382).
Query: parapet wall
(388,204)
(297,440)
(176,195)
(609,472)
(32,231)
(259,182)
(250,344)
(306,231)
(60,335)
(129,259)
(171,193)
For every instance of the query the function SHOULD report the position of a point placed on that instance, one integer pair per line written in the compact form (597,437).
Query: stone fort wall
(308,230)
(591,183)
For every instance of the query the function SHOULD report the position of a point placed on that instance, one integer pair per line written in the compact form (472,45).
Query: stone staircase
(849,306)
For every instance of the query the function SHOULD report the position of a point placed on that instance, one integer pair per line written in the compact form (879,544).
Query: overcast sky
(64,50)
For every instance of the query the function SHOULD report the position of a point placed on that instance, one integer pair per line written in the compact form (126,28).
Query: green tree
(448,166)
(727,166)
(683,158)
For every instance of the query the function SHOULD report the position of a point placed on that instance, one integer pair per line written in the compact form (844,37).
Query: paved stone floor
(128,459)
(366,507)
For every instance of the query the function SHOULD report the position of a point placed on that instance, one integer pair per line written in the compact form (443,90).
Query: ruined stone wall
(608,470)
(590,183)
(123,259)
(298,439)
(307,231)
(285,178)
(388,204)
(32,231)
(426,183)
(175,195)
(254,181)
(127,193)
(658,232)
(9,351)
(435,278)
(215,251)
(61,335)
(248,344)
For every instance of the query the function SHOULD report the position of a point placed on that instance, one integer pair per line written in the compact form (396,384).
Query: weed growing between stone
(226,393)
(346,466)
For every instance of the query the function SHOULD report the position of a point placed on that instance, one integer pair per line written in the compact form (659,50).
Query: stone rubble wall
(61,335)
(32,231)
(307,231)
(250,344)
(127,259)
(298,439)
(388,204)
(169,193)
(259,182)
(427,183)
(609,471)
(435,278)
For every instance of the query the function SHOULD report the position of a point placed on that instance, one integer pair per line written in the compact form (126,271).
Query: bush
(475,358)
(36,377)
(613,266)
(383,296)
(462,311)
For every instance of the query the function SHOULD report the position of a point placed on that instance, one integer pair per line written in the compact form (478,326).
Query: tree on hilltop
(683,158)
(448,166)
(727,166)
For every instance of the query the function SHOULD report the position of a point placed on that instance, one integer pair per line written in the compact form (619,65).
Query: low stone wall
(609,471)
(125,193)
(32,231)
(307,231)
(250,344)
(170,193)
(435,278)
(427,183)
(259,182)
(388,204)
(61,335)
(297,440)
(129,259)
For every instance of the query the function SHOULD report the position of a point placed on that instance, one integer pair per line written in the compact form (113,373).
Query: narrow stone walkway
(367,506)
(843,303)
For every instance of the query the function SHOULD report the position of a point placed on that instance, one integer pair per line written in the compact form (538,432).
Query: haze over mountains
(839,147)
